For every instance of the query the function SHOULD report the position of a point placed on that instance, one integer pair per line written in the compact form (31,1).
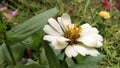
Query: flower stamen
(72,33)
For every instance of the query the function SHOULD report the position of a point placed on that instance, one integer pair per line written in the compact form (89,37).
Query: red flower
(71,9)
(106,4)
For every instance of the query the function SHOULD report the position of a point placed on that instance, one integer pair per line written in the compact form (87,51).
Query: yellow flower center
(73,33)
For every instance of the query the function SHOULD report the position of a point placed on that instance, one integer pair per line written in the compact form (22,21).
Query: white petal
(90,31)
(60,22)
(81,50)
(66,20)
(99,44)
(50,38)
(97,37)
(55,25)
(94,40)
(70,52)
(88,41)
(93,52)
(62,39)
(60,43)
(86,26)
(49,30)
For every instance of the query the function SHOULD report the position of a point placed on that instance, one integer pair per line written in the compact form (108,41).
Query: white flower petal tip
(61,23)
(60,46)
(55,25)
(89,41)
(93,52)
(66,19)
(66,15)
(62,40)
(49,30)
(86,25)
(50,38)
(81,50)
(100,44)
(57,45)
(70,52)
(60,43)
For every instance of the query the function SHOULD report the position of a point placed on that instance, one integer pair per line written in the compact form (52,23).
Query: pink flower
(7,15)
(106,4)
(3,8)
(10,15)
(14,13)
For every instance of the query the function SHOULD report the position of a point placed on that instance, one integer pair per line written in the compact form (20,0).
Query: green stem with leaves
(5,40)
(60,5)
(87,3)
(8,48)
(39,58)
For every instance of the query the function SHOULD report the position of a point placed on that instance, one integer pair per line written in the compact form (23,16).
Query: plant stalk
(8,48)
(39,58)
(5,40)
(87,3)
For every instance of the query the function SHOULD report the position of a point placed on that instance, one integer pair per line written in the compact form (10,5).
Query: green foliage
(2,58)
(37,37)
(93,60)
(28,66)
(29,34)
(17,50)
(88,62)
(52,59)
(86,66)
(29,27)
(19,36)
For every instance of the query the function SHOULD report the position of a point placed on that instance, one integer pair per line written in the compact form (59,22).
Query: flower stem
(87,3)
(62,61)
(75,61)
(39,58)
(8,48)
(64,58)
(60,5)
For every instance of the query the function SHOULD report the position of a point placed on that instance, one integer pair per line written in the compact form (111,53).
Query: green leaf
(70,62)
(28,66)
(27,42)
(43,57)
(37,39)
(91,59)
(51,57)
(30,26)
(17,50)
(2,59)
(64,64)
(88,62)
(30,61)
(86,66)
(80,59)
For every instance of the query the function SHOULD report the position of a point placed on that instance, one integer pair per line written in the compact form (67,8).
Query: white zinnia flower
(73,38)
